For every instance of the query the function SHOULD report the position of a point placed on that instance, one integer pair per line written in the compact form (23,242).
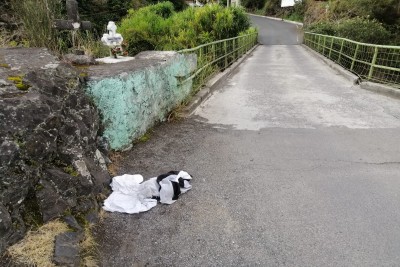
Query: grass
(89,248)
(178,112)
(37,246)
(113,167)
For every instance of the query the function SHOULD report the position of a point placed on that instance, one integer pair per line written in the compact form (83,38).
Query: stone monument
(113,40)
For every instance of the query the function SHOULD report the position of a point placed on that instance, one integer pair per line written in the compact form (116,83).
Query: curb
(345,73)
(279,19)
(212,84)
(381,89)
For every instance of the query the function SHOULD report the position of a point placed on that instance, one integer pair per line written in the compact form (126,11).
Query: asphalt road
(292,166)
(276,32)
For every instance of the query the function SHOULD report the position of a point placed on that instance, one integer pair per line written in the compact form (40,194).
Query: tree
(253,4)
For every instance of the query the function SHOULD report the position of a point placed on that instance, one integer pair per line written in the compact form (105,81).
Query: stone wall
(133,95)
(51,115)
(49,164)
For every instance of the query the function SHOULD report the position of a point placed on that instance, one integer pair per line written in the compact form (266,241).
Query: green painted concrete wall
(133,101)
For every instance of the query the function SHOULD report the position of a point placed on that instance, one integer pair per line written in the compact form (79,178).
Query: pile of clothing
(132,195)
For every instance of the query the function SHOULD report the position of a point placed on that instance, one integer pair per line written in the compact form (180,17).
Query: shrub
(159,27)
(324,27)
(143,29)
(363,30)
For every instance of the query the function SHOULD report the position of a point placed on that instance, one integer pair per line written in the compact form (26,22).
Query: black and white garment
(132,195)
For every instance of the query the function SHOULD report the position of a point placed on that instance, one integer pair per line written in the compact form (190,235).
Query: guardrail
(377,63)
(216,56)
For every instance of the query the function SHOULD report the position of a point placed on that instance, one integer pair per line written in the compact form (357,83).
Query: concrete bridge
(293,165)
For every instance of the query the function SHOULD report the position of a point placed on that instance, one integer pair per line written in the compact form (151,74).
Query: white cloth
(132,195)
(167,190)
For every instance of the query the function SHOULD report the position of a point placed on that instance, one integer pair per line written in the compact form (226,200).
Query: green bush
(363,30)
(357,29)
(159,27)
(324,27)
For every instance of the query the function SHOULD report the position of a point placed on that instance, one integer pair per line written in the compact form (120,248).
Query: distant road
(274,32)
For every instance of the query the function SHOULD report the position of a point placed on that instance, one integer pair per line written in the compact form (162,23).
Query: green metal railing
(377,63)
(216,56)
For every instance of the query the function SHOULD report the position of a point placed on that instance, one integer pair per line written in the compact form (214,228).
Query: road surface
(292,166)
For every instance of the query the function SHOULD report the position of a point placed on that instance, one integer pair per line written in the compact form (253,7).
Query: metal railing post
(319,42)
(354,57)
(371,70)
(226,56)
(213,52)
(341,51)
(234,49)
(330,51)
(199,60)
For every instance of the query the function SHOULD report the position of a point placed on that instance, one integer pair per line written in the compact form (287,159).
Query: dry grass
(102,215)
(113,167)
(37,246)
(177,113)
(89,248)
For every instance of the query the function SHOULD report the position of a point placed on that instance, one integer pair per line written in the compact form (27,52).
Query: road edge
(345,73)
(212,84)
(381,89)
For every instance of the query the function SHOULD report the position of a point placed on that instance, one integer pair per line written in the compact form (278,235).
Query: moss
(145,137)
(83,74)
(32,163)
(71,171)
(72,84)
(4,65)
(31,214)
(67,212)
(18,82)
(39,187)
(19,141)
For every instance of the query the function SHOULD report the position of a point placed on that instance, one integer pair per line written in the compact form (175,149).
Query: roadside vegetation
(368,21)
(159,27)
(36,249)
(145,24)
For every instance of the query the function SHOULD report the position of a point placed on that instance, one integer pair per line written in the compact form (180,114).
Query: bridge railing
(216,56)
(377,63)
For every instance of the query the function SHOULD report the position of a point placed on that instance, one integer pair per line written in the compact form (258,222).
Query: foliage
(37,17)
(357,29)
(386,11)
(99,12)
(323,27)
(253,4)
(339,16)
(363,30)
(160,27)
(369,21)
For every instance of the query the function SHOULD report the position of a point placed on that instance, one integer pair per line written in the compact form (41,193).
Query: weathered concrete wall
(133,95)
